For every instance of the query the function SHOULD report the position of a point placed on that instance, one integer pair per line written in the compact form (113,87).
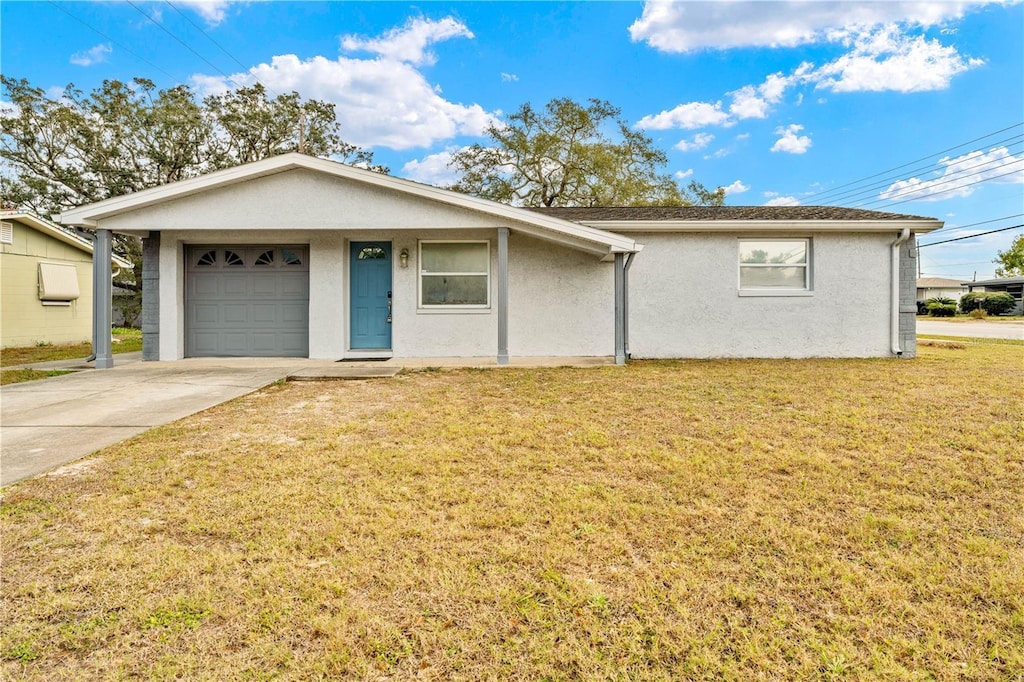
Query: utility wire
(182,42)
(956,177)
(851,194)
(980,222)
(126,49)
(945,191)
(219,46)
(910,163)
(971,236)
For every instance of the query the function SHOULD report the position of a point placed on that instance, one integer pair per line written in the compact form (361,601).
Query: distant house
(933,287)
(300,256)
(45,282)
(1009,285)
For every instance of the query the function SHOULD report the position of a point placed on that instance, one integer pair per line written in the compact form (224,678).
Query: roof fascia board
(916,226)
(51,230)
(90,214)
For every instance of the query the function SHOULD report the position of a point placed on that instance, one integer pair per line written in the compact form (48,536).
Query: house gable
(295,191)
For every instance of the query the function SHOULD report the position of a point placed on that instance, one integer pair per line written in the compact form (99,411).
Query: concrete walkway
(974,328)
(50,422)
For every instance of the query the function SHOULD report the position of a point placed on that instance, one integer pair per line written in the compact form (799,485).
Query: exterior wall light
(403,258)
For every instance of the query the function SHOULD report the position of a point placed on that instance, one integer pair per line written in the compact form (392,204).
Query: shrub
(992,302)
(971,301)
(944,300)
(978,314)
(936,309)
(997,303)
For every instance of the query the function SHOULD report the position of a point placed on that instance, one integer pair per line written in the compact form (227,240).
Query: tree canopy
(1011,262)
(80,148)
(572,154)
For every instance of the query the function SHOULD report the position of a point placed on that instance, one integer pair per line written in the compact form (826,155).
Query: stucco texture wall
(684,300)
(24,320)
(560,300)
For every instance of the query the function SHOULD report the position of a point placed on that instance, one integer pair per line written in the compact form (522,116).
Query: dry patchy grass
(670,520)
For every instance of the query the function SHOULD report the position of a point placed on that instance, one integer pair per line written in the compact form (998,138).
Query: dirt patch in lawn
(667,520)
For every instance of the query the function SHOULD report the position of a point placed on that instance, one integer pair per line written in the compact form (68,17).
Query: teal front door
(370,292)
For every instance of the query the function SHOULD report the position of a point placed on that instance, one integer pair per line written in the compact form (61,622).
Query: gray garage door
(247,301)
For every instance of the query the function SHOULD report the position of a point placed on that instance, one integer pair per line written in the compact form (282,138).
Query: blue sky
(892,106)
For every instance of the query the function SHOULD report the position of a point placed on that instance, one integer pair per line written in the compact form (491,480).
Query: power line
(946,191)
(219,46)
(909,163)
(852,194)
(182,42)
(956,177)
(104,35)
(980,222)
(971,236)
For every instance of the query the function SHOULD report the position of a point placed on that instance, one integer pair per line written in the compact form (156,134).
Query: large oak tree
(78,148)
(572,154)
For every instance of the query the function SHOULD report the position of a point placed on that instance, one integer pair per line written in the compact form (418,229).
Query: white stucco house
(300,256)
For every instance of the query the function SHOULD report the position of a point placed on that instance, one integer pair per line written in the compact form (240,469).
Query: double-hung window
(775,266)
(455,274)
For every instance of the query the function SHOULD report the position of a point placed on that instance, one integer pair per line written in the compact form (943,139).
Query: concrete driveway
(976,328)
(47,423)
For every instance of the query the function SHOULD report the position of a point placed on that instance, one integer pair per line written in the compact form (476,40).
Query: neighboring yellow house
(45,282)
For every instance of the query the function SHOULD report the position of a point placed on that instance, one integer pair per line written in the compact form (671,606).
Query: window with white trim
(455,274)
(775,265)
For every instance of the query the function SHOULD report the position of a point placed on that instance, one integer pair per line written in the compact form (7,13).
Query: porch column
(625,304)
(620,310)
(502,302)
(102,295)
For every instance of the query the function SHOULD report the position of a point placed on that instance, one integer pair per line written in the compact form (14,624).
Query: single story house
(301,256)
(1009,285)
(938,287)
(45,282)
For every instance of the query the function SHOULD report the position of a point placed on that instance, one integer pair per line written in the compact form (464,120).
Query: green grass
(17,376)
(127,341)
(734,519)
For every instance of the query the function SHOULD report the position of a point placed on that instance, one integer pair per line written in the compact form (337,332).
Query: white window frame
(808,266)
(451,306)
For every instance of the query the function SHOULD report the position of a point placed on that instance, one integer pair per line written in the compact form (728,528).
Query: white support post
(620,310)
(502,302)
(102,297)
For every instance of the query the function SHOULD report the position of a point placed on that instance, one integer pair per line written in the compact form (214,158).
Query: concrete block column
(151,296)
(908,298)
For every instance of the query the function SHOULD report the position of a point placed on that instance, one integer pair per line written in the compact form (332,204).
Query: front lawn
(818,519)
(126,340)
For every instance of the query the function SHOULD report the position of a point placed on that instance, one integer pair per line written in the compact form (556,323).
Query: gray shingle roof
(654,213)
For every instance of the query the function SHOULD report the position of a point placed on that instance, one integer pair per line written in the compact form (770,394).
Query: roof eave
(54,231)
(918,226)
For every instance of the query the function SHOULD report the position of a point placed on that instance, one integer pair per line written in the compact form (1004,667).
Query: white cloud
(783,201)
(736,188)
(432,169)
(790,141)
(693,26)
(750,101)
(960,176)
(887,59)
(410,42)
(682,175)
(699,141)
(213,12)
(686,116)
(383,101)
(96,54)
(718,154)
(509,77)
